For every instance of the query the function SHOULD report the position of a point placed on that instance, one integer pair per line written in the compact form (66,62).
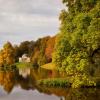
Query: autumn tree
(43,49)
(50,48)
(7,55)
(7,80)
(1,58)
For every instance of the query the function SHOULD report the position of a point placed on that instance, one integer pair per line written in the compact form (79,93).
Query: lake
(23,86)
(19,94)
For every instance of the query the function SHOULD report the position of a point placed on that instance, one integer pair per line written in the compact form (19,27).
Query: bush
(56,82)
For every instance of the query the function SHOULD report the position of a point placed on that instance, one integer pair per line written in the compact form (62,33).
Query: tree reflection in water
(10,79)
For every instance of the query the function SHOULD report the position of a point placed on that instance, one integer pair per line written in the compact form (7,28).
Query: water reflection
(11,79)
(24,72)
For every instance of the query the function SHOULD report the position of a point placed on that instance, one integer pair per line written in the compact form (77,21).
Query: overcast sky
(22,20)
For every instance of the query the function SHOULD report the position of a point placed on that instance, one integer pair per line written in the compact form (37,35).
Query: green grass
(55,82)
(49,66)
(23,65)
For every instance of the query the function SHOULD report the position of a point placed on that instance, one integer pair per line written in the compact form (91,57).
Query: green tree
(78,40)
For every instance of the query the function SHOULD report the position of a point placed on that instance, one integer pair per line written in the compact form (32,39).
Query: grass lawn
(23,65)
(49,66)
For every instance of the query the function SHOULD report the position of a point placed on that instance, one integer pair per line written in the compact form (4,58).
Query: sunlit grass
(49,66)
(23,65)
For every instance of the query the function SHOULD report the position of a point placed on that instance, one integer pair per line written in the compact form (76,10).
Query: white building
(24,58)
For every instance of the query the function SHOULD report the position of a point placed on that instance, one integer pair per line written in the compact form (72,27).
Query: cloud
(28,19)
(30,6)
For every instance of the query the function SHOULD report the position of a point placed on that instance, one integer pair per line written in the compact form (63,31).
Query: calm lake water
(20,94)
(15,86)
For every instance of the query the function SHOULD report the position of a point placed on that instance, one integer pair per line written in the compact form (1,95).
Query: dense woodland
(39,51)
(74,50)
(77,48)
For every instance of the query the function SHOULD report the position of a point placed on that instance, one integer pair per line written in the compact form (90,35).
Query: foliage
(39,51)
(25,47)
(50,48)
(7,56)
(43,50)
(7,80)
(78,42)
(56,82)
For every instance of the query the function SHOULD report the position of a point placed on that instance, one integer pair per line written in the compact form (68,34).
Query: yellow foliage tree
(7,56)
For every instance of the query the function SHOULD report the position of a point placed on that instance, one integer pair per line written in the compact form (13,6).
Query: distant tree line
(39,51)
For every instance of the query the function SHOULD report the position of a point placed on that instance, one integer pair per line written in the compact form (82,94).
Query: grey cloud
(30,6)
(28,19)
